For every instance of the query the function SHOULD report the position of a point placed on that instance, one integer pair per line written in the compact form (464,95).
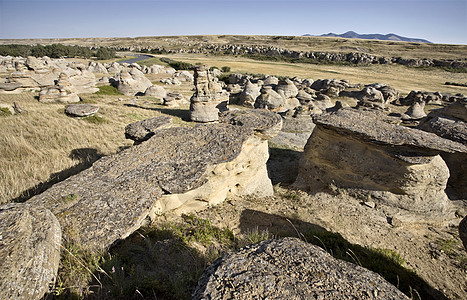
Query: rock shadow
(384,262)
(183,114)
(149,264)
(85,156)
(282,165)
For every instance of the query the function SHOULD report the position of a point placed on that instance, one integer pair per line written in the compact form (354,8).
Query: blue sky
(440,21)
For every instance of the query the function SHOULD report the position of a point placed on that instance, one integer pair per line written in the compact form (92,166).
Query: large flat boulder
(178,169)
(290,269)
(30,239)
(396,165)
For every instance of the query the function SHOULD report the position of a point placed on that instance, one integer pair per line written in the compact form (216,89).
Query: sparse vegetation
(4,111)
(177,65)
(108,90)
(55,51)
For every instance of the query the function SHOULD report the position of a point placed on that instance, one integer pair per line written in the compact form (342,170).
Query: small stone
(81,110)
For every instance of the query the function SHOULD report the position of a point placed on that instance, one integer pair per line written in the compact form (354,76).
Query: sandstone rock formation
(177,169)
(371,97)
(421,96)
(143,130)
(289,269)
(397,166)
(81,110)
(270,99)
(297,127)
(174,100)
(249,95)
(132,83)
(30,239)
(156,91)
(450,122)
(415,111)
(209,97)
(463,231)
(62,91)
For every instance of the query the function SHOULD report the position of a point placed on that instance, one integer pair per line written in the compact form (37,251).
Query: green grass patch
(4,111)
(95,119)
(108,90)
(152,61)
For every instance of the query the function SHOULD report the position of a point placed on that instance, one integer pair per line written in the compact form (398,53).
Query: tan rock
(30,239)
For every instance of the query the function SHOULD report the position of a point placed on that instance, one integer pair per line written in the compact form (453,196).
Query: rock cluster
(178,169)
(289,268)
(30,239)
(274,51)
(62,91)
(397,166)
(209,97)
(132,83)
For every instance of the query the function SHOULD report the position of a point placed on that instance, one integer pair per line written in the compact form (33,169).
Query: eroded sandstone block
(396,165)
(177,169)
(289,268)
(30,239)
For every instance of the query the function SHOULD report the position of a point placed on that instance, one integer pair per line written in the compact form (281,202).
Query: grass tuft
(108,90)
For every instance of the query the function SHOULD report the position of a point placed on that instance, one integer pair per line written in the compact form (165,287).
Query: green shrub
(177,65)
(108,90)
(225,69)
(4,111)
(105,53)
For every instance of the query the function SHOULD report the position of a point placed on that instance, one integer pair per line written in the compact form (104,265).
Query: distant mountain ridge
(375,36)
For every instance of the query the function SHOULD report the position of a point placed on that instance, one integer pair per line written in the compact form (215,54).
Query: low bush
(108,90)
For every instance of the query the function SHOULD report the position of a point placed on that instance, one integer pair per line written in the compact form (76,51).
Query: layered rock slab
(30,239)
(398,166)
(289,269)
(178,168)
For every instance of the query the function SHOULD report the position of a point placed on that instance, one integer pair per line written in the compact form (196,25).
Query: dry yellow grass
(400,77)
(44,141)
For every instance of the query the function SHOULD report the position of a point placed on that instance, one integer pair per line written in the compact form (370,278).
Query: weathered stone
(265,124)
(396,165)
(132,83)
(418,96)
(449,122)
(389,93)
(463,231)
(185,76)
(289,268)
(287,88)
(174,100)
(297,127)
(62,91)
(415,111)
(270,80)
(30,239)
(143,130)
(156,91)
(270,99)
(209,97)
(177,169)
(81,110)
(248,97)
(371,97)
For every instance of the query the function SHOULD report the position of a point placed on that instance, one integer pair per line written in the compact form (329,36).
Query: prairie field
(43,146)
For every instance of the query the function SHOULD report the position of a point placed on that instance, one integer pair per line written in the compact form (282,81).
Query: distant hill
(375,36)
